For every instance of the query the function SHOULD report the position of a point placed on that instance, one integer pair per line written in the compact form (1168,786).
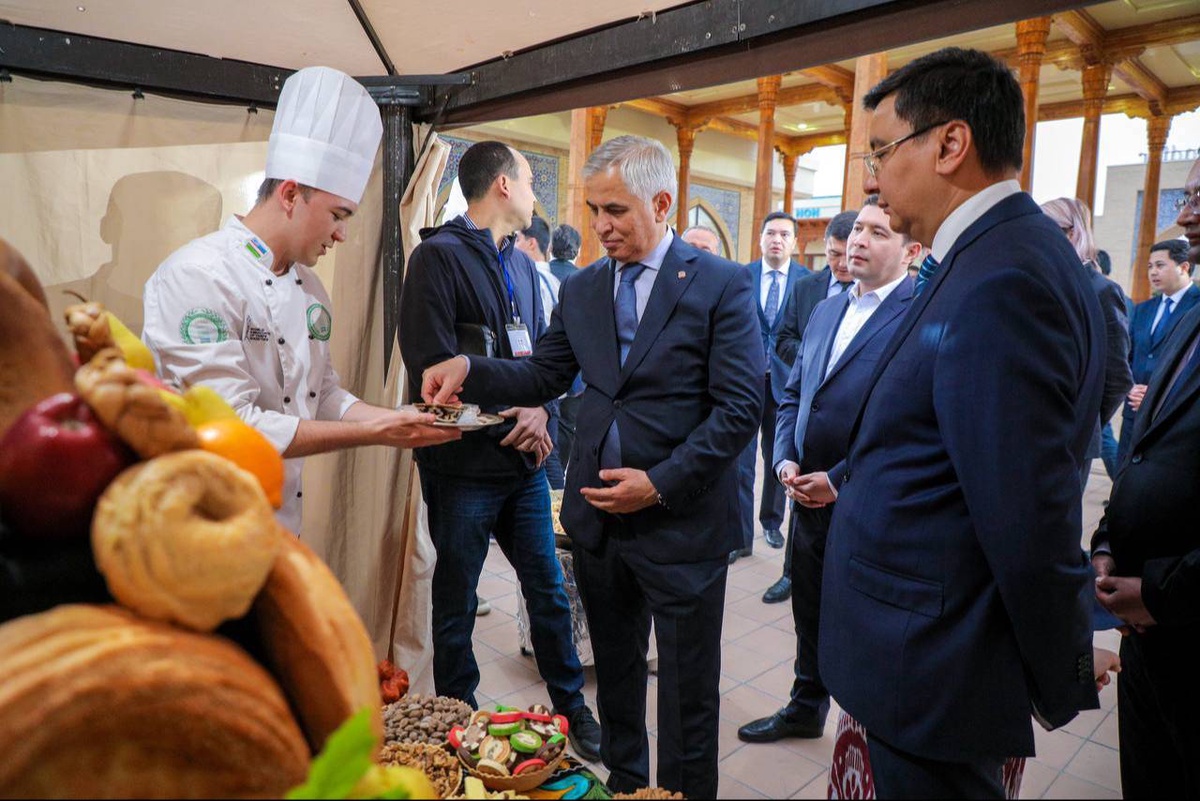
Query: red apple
(55,460)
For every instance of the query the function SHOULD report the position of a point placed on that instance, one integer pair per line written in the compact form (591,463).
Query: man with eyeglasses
(1146,552)
(955,598)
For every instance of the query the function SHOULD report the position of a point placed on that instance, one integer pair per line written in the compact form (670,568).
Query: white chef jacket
(216,314)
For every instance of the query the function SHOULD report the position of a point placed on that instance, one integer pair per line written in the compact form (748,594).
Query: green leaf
(342,762)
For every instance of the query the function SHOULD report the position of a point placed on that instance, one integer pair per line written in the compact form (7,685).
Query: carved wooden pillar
(868,71)
(1095,87)
(1031,48)
(788,160)
(1157,128)
(587,129)
(686,137)
(768,90)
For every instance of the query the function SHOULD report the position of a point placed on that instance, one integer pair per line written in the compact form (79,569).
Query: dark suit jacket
(778,368)
(813,427)
(955,590)
(1117,377)
(1151,520)
(687,401)
(804,296)
(1145,349)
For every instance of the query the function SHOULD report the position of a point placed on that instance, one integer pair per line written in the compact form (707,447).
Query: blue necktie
(929,268)
(625,310)
(1162,318)
(772,308)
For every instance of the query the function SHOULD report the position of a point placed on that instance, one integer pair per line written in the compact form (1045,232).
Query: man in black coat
(1146,553)
(804,296)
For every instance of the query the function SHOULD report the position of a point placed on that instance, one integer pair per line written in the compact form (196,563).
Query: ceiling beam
(1155,34)
(1142,81)
(839,79)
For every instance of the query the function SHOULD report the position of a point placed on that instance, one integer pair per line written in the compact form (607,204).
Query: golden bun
(98,703)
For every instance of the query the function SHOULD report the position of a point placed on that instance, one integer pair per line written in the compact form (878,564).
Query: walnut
(132,409)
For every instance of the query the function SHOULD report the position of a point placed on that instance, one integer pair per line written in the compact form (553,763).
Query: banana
(136,354)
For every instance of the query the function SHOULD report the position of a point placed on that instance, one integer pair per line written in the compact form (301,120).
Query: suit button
(1137,458)
(816,407)
(617,404)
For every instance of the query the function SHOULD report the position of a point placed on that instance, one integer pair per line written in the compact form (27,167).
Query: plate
(482,420)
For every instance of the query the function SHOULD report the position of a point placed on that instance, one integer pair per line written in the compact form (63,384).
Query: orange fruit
(243,445)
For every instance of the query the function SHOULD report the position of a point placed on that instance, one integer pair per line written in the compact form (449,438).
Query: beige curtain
(99,188)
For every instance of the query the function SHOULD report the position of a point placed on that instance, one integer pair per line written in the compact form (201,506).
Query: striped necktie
(929,268)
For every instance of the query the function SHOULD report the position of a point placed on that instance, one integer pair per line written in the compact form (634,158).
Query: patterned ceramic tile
(545,174)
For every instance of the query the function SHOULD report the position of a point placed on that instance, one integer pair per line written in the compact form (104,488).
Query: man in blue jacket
(464,277)
(839,350)
(956,600)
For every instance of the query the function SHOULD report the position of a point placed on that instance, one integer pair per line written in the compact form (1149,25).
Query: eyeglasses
(1189,199)
(874,159)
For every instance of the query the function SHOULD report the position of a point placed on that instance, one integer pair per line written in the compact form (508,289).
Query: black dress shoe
(778,592)
(583,732)
(773,537)
(738,553)
(777,727)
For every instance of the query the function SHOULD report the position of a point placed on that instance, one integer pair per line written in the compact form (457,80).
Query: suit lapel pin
(682,274)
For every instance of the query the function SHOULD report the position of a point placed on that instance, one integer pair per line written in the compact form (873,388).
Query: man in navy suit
(775,274)
(1153,322)
(811,289)
(841,347)
(1146,552)
(672,358)
(956,600)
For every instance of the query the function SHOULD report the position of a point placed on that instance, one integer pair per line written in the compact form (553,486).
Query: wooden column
(1031,48)
(868,71)
(1095,87)
(768,90)
(789,179)
(587,129)
(685,136)
(1157,128)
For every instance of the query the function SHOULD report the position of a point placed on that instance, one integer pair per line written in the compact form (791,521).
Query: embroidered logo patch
(320,324)
(203,327)
(254,333)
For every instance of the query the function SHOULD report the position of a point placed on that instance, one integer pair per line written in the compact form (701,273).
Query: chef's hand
(1136,395)
(409,429)
(1104,662)
(813,490)
(529,434)
(1122,595)
(442,382)
(631,491)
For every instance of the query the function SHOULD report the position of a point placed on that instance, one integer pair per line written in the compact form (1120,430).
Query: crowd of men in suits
(929,419)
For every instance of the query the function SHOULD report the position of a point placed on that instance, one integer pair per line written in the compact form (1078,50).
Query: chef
(241,308)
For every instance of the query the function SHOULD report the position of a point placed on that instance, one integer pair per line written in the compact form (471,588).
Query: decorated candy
(467,755)
(504,729)
(482,717)
(563,726)
(528,765)
(455,736)
(491,767)
(527,742)
(506,717)
(473,736)
(494,749)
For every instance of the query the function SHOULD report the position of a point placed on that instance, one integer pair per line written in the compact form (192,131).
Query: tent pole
(397,171)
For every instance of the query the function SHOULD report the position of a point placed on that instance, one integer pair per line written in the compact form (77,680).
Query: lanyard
(512,296)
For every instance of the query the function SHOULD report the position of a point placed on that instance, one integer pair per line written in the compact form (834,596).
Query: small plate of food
(463,416)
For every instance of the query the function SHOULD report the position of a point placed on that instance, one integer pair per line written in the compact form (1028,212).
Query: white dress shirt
(971,210)
(1175,298)
(645,281)
(765,284)
(858,310)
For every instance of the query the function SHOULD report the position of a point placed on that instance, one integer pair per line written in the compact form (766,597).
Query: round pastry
(495,749)
(187,538)
(315,643)
(98,703)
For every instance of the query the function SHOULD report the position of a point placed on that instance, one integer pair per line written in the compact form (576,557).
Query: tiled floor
(1078,761)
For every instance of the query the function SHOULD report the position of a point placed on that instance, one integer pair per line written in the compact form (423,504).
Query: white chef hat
(326,133)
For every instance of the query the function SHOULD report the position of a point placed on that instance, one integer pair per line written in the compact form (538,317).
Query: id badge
(518,339)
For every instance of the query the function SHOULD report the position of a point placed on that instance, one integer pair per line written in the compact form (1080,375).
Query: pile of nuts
(435,762)
(420,718)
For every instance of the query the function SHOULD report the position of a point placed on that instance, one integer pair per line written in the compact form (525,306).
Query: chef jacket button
(281,340)
(298,282)
(269,282)
(287,398)
(299,494)
(312,394)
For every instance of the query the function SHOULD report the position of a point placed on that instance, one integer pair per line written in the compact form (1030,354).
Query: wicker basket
(523,783)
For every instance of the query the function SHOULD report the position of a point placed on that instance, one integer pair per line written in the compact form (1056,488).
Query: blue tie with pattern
(772,308)
(625,311)
(929,268)
(1161,325)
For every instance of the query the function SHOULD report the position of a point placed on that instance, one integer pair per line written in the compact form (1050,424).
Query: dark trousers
(898,774)
(1108,450)
(1157,713)
(622,591)
(516,511)
(568,409)
(770,510)
(806,540)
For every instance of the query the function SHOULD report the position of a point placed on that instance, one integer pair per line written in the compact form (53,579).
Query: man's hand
(1136,395)
(1104,662)
(1104,564)
(442,382)
(632,491)
(529,434)
(408,429)
(1122,595)
(812,490)
(786,475)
